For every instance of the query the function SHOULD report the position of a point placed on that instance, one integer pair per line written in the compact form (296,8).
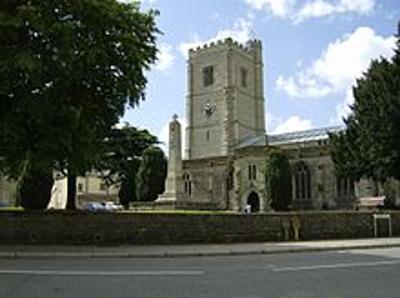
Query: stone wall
(164,228)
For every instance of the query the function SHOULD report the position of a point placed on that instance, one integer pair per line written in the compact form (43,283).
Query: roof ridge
(326,128)
(315,134)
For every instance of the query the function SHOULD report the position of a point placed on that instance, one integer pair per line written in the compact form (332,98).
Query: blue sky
(313,50)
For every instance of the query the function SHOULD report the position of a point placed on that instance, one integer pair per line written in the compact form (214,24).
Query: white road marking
(334,266)
(104,273)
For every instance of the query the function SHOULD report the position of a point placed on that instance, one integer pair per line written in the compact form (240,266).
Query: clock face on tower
(209,109)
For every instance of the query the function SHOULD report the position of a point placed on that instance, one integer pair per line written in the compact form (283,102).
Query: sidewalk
(12,251)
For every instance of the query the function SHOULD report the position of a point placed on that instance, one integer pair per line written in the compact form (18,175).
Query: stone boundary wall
(81,228)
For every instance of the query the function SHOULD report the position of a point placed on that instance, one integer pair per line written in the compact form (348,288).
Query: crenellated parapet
(250,46)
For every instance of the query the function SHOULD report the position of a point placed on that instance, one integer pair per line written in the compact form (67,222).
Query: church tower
(225,103)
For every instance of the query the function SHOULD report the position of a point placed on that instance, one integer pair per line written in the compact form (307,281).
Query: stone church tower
(225,115)
(225,103)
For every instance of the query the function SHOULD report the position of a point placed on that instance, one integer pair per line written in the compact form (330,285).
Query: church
(226,146)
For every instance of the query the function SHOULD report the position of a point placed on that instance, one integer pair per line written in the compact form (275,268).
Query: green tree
(121,146)
(346,152)
(127,191)
(122,151)
(35,189)
(370,144)
(150,178)
(278,180)
(68,69)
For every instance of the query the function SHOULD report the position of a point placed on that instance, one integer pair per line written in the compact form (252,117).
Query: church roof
(302,136)
(252,141)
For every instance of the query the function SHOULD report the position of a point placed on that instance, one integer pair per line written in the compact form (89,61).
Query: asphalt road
(350,273)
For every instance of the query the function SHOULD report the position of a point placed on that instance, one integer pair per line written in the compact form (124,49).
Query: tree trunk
(71,190)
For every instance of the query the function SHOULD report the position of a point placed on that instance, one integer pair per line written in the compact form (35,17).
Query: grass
(11,209)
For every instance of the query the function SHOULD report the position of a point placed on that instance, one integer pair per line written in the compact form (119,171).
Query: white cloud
(339,65)
(321,8)
(165,57)
(359,6)
(302,86)
(315,9)
(336,70)
(280,8)
(240,32)
(293,123)
(299,11)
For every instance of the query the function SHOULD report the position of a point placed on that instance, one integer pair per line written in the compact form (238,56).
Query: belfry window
(187,184)
(302,182)
(208,75)
(243,77)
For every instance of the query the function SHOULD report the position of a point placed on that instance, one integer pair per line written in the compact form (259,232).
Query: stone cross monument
(173,187)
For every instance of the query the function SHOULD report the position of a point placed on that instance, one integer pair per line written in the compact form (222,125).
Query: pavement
(169,251)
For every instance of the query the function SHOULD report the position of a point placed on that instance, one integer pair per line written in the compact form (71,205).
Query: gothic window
(243,77)
(252,172)
(344,187)
(208,136)
(229,181)
(80,187)
(187,183)
(302,182)
(208,75)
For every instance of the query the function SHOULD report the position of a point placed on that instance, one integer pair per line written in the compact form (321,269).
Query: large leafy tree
(68,69)
(370,144)
(150,178)
(278,180)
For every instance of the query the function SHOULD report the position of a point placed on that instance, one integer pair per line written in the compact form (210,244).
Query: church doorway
(253,201)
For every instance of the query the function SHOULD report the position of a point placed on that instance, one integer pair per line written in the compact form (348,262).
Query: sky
(313,51)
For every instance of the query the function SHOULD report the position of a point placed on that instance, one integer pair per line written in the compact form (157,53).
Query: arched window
(229,180)
(252,172)
(187,183)
(344,187)
(302,182)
